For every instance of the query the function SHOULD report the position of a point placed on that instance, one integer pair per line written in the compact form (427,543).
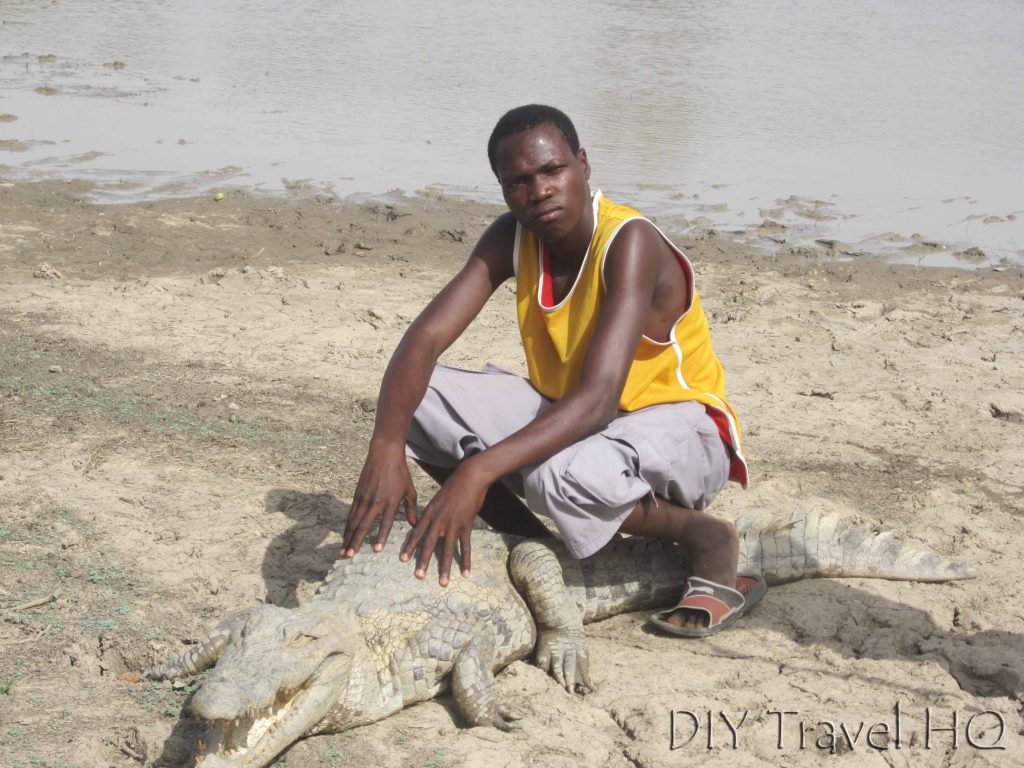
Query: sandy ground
(187,388)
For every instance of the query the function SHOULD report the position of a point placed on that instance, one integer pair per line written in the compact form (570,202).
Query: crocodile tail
(629,574)
(813,544)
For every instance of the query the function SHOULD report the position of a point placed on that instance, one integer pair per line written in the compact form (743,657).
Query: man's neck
(573,249)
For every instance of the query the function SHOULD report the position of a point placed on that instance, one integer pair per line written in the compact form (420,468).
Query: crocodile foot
(501,717)
(473,687)
(563,653)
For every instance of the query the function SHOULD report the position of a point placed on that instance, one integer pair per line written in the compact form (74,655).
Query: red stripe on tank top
(547,291)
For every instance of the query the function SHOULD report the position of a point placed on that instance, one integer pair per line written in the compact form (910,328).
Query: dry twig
(36,603)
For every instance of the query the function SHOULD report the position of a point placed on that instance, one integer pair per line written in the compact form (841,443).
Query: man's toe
(688,619)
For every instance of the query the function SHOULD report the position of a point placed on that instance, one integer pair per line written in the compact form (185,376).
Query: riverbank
(187,388)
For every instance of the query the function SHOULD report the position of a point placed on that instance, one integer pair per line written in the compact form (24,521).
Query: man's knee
(546,487)
(597,474)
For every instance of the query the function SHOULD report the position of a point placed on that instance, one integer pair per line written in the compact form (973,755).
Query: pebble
(56,369)
(46,272)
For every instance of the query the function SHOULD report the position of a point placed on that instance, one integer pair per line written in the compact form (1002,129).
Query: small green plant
(99,575)
(194,685)
(40,392)
(95,624)
(436,760)
(5,689)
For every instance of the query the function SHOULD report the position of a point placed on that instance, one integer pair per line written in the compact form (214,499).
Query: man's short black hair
(530,116)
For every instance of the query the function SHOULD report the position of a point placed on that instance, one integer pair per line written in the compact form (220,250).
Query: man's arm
(384,483)
(632,270)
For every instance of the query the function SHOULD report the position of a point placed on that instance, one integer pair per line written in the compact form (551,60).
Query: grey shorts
(672,451)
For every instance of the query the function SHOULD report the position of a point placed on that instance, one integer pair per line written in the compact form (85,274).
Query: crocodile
(374,639)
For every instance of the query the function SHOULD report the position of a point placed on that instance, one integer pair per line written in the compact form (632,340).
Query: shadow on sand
(858,624)
(300,554)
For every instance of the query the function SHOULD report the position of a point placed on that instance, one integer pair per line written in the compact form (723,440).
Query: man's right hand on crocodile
(448,518)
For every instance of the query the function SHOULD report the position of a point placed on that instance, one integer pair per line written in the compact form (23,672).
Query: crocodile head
(279,674)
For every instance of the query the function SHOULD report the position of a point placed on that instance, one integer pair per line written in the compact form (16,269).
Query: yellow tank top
(555,338)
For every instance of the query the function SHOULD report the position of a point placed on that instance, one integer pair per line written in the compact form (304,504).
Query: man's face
(544,183)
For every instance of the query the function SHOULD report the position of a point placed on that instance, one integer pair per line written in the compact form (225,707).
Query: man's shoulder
(635,231)
(631,227)
(616,213)
(638,243)
(496,246)
(499,233)
(502,229)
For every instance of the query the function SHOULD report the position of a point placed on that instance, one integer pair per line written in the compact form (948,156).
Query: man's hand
(448,516)
(384,484)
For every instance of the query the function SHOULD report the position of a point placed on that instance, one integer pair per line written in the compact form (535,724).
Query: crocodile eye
(299,639)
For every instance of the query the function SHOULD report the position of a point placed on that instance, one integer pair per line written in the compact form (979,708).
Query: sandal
(722,604)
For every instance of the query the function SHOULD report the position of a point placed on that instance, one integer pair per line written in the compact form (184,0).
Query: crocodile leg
(561,642)
(473,686)
(458,652)
(203,655)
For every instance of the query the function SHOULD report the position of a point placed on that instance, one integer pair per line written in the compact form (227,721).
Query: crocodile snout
(218,703)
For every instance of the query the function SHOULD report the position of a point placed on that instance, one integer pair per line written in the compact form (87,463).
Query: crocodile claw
(505,720)
(563,653)
(495,715)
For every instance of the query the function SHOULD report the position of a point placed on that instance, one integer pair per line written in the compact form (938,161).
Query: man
(622,426)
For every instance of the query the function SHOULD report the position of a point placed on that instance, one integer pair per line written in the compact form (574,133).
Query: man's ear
(582,157)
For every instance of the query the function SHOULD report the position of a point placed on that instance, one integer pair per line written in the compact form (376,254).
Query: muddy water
(865,122)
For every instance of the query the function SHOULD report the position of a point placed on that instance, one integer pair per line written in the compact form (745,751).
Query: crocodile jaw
(253,740)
